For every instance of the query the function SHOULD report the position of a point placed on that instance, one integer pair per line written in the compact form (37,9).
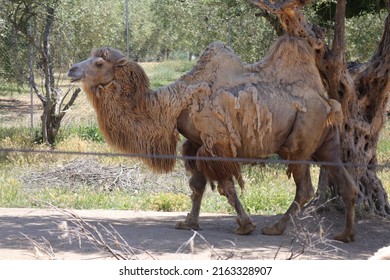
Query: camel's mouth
(75,74)
(76,79)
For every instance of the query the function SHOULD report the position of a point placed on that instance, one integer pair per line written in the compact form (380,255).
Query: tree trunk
(52,114)
(363,90)
(49,106)
(367,114)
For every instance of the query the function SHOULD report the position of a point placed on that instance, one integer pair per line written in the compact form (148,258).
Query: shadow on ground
(151,235)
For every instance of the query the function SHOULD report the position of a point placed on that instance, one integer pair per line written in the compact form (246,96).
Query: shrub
(169,202)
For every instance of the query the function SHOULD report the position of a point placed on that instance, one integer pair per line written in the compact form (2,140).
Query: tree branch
(274,21)
(290,16)
(375,79)
(70,102)
(28,36)
(48,69)
(279,8)
(36,90)
(338,48)
(293,21)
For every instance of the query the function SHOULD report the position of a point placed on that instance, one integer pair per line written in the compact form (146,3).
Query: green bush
(90,132)
(169,202)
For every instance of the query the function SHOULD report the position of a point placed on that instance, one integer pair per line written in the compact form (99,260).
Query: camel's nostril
(72,70)
(75,74)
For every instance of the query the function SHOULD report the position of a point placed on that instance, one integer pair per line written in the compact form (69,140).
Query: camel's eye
(99,63)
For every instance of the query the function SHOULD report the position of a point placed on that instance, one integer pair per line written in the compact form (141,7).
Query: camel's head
(99,68)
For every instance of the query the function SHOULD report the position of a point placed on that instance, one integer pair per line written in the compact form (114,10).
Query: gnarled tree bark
(363,89)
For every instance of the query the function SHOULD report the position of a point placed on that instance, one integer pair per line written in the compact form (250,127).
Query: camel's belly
(268,138)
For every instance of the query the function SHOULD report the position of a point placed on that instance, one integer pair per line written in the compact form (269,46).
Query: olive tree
(33,21)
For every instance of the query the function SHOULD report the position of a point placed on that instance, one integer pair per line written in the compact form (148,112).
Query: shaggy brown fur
(225,108)
(124,107)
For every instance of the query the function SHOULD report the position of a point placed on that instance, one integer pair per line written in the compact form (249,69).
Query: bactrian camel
(224,108)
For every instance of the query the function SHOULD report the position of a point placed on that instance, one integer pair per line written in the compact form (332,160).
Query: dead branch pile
(89,172)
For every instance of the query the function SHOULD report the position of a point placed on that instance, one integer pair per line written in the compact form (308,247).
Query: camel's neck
(142,124)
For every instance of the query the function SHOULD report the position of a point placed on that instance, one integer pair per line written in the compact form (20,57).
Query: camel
(225,109)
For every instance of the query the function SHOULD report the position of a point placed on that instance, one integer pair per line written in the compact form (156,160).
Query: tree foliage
(190,25)
(84,24)
(326,9)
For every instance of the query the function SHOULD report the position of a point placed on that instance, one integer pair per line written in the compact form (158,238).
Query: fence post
(127,29)
(31,68)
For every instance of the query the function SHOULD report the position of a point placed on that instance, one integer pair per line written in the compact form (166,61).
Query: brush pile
(82,172)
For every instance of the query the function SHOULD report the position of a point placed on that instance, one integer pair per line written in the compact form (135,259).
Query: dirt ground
(17,109)
(152,235)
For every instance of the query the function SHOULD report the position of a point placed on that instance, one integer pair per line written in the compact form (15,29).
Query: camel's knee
(198,183)
(345,183)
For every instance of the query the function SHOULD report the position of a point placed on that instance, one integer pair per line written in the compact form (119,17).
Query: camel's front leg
(245,224)
(197,185)
(304,192)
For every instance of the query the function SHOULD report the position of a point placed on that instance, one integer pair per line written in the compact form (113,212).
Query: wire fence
(252,161)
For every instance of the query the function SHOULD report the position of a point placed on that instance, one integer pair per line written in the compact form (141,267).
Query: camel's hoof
(187,226)
(272,230)
(245,229)
(345,237)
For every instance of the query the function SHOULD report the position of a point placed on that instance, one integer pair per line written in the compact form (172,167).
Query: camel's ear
(121,62)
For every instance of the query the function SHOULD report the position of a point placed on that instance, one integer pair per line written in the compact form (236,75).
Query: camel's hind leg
(304,192)
(302,142)
(348,192)
(197,184)
(330,152)
(245,224)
